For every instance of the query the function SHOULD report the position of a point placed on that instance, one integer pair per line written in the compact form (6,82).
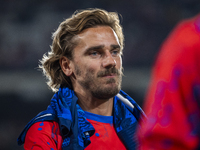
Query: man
(173,99)
(84,68)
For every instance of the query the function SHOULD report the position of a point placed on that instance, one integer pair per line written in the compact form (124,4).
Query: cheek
(92,66)
(90,70)
(119,62)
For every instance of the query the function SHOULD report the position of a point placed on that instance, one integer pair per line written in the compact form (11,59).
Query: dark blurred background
(26,28)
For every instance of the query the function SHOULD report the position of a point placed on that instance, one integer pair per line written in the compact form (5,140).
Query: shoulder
(44,134)
(43,126)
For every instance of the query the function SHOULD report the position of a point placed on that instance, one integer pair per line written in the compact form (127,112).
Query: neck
(94,105)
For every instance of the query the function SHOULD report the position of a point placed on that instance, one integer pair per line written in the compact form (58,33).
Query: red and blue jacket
(74,127)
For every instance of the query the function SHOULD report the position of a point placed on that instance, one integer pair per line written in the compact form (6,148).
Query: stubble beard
(108,89)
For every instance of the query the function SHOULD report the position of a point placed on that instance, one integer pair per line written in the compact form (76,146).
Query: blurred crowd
(26,27)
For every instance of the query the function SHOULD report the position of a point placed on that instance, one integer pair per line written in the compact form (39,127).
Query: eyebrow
(94,48)
(115,46)
(101,47)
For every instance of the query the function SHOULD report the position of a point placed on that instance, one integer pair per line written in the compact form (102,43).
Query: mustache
(108,72)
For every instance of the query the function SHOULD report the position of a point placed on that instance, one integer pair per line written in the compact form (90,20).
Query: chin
(106,93)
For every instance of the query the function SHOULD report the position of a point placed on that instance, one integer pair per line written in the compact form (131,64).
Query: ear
(65,64)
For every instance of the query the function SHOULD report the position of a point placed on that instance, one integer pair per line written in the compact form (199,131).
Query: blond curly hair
(63,43)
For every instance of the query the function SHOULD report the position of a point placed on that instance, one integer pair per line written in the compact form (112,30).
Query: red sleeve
(172,103)
(43,135)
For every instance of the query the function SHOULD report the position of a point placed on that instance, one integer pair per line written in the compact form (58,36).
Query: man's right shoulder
(45,134)
(44,126)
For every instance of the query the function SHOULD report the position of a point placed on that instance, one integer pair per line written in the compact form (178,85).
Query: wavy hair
(63,43)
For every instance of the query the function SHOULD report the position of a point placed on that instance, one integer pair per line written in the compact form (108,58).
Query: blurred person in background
(84,68)
(172,103)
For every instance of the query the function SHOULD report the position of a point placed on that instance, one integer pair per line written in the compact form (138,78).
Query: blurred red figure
(172,103)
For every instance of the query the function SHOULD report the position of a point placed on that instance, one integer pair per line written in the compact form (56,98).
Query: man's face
(97,64)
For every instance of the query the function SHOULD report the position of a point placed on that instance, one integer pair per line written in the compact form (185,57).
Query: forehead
(98,34)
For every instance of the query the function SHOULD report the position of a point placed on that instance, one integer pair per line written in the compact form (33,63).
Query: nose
(109,61)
